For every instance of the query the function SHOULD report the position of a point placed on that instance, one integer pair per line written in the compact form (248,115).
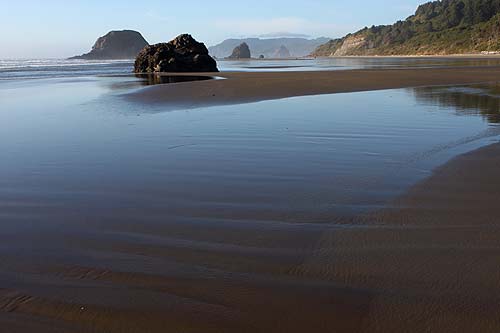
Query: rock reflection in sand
(481,99)
(153,79)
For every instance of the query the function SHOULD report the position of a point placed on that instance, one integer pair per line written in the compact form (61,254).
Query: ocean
(122,215)
(23,69)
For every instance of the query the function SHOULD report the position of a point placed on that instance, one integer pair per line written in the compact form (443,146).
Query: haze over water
(18,69)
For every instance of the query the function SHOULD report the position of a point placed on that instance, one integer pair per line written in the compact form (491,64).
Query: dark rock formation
(261,56)
(183,54)
(241,52)
(124,44)
(282,52)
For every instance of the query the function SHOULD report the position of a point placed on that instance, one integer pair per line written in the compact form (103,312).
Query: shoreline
(435,56)
(466,185)
(432,56)
(429,262)
(247,87)
(434,257)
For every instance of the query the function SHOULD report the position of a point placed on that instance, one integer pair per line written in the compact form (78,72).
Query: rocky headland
(115,45)
(448,27)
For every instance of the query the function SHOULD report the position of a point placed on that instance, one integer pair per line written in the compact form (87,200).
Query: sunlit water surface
(49,68)
(76,150)
(115,214)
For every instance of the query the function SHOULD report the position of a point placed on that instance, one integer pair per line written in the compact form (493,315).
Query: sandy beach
(428,262)
(431,260)
(260,167)
(246,87)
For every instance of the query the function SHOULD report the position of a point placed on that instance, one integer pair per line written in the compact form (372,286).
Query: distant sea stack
(298,47)
(183,54)
(115,45)
(282,52)
(241,52)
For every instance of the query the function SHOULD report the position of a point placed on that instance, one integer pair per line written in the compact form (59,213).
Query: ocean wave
(36,63)
(17,69)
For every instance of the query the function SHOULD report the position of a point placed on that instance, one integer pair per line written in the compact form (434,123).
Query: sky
(58,29)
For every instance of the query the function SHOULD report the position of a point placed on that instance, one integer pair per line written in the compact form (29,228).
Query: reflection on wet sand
(262,217)
(122,83)
(481,100)
(153,79)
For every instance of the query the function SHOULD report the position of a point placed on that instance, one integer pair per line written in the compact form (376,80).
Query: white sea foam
(35,63)
(47,68)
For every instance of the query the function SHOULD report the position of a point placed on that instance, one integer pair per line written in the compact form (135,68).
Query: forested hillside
(439,27)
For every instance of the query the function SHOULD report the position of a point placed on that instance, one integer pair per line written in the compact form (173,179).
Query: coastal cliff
(437,28)
(125,44)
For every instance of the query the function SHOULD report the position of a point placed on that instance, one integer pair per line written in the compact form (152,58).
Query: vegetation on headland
(437,28)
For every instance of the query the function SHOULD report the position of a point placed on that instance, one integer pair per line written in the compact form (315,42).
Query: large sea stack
(241,52)
(125,44)
(183,54)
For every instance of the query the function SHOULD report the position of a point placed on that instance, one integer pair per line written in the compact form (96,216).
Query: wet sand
(432,262)
(428,263)
(246,87)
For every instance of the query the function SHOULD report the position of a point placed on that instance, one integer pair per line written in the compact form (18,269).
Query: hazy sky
(56,28)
